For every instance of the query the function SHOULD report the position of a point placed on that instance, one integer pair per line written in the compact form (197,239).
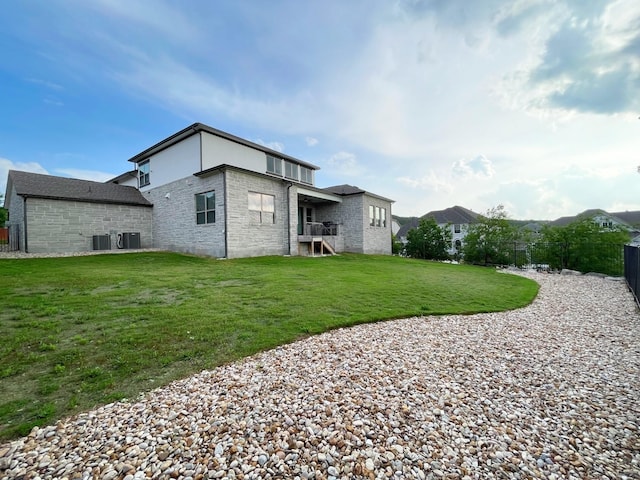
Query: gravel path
(548,391)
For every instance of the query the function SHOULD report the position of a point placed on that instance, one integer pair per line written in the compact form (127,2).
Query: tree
(492,240)
(3,212)
(428,241)
(585,246)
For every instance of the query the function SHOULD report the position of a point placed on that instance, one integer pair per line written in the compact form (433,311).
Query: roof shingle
(35,185)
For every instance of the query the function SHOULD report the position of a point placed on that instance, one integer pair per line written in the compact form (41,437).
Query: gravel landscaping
(548,391)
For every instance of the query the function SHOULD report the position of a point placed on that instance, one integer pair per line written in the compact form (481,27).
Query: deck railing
(320,229)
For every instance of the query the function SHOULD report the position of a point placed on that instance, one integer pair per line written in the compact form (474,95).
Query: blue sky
(532,104)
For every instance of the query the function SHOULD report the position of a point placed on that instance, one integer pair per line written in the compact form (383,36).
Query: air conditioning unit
(102,242)
(129,240)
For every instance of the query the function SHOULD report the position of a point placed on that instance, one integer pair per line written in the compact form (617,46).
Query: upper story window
(144,169)
(291,170)
(306,175)
(262,207)
(456,228)
(206,208)
(274,165)
(377,216)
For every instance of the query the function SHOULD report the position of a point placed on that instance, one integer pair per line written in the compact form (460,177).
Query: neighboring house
(457,219)
(219,195)
(628,221)
(55,214)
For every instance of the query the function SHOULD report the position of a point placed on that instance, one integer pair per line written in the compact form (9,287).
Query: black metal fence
(632,270)
(606,258)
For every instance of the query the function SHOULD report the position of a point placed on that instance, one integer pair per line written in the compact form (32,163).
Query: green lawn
(76,332)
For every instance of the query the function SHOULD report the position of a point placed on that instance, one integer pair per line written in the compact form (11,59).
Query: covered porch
(318,226)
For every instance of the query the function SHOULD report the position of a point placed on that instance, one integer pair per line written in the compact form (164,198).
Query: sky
(529,104)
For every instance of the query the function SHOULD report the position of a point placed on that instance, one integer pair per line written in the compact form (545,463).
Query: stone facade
(247,235)
(174,216)
(69,226)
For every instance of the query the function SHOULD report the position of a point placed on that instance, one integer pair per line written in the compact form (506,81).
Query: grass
(77,332)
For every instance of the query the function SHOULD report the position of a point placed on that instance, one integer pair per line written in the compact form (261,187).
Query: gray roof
(346,190)
(123,177)
(36,185)
(629,218)
(412,223)
(201,127)
(455,215)
(632,218)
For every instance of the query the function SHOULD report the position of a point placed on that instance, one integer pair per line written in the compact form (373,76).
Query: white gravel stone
(548,391)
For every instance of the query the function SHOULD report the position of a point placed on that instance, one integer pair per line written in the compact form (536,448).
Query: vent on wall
(102,242)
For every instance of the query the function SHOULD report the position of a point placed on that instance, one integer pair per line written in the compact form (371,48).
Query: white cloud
(345,164)
(277,146)
(430,181)
(93,175)
(310,141)
(6,165)
(479,166)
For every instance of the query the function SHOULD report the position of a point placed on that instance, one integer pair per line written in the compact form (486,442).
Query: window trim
(144,173)
(263,212)
(377,216)
(206,211)
(277,165)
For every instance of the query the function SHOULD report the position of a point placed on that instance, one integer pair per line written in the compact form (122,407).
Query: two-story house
(456,219)
(206,192)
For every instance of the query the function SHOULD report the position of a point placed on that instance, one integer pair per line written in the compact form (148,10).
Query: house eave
(200,127)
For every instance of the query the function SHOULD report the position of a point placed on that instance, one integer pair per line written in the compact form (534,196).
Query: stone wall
(376,240)
(246,236)
(69,226)
(174,216)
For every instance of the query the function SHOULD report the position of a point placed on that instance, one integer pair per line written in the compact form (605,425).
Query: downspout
(24,214)
(289,185)
(226,212)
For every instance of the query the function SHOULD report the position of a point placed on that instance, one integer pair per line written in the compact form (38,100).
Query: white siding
(219,151)
(174,163)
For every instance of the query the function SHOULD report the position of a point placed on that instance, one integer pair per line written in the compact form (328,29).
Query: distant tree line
(582,245)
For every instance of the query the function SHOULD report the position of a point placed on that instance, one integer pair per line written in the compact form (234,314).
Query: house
(207,192)
(457,219)
(49,214)
(628,221)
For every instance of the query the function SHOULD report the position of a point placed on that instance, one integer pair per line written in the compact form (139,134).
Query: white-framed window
(262,207)
(306,175)
(456,228)
(144,170)
(291,170)
(274,165)
(377,216)
(205,208)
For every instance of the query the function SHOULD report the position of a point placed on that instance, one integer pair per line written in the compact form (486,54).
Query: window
(205,208)
(291,170)
(456,228)
(306,175)
(274,165)
(144,169)
(262,207)
(377,216)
